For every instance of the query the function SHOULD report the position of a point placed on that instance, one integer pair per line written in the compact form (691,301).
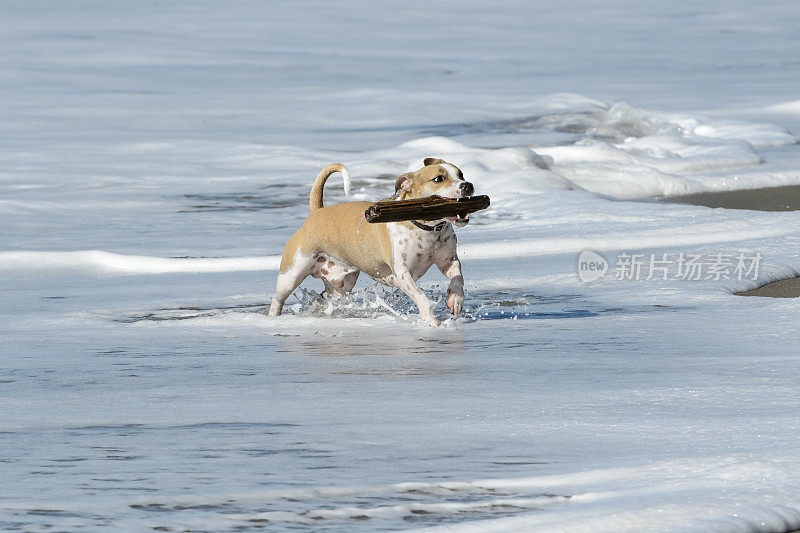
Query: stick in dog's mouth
(455,210)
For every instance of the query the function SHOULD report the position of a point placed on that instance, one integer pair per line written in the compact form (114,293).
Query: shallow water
(227,419)
(156,159)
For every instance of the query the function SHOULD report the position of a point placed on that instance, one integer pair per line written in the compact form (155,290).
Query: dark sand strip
(770,199)
(785,288)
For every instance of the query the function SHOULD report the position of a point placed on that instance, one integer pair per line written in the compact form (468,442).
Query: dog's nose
(467,189)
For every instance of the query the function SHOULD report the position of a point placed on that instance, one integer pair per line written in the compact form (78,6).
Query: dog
(336,243)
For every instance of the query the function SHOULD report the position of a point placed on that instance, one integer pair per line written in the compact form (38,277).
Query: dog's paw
(431,321)
(455,301)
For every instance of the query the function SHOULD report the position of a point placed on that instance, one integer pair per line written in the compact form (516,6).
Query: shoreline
(784,288)
(785,198)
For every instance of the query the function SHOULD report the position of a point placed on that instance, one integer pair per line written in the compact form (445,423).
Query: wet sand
(768,199)
(785,288)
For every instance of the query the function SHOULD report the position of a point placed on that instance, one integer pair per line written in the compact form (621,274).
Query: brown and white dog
(336,243)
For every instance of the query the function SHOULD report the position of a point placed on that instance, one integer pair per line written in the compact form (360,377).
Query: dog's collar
(437,227)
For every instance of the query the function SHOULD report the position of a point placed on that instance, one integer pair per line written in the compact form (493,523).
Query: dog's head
(436,177)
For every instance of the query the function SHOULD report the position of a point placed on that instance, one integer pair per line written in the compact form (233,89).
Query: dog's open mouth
(461,219)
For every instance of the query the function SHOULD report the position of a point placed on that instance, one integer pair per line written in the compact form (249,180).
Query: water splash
(369,302)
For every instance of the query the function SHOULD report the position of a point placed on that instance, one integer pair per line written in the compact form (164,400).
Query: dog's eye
(438,179)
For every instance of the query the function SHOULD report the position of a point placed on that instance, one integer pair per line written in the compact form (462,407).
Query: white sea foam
(100,262)
(692,494)
(96,262)
(180,144)
(695,493)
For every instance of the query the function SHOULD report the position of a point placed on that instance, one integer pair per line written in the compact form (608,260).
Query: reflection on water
(402,343)
(404,354)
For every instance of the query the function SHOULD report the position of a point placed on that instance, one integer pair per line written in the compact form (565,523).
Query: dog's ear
(432,161)
(403,181)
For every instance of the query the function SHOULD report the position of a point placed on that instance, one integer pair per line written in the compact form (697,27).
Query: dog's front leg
(451,268)
(405,283)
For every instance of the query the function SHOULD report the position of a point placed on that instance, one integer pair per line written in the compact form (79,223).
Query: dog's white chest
(416,250)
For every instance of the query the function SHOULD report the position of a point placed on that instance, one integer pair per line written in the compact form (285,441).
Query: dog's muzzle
(466,189)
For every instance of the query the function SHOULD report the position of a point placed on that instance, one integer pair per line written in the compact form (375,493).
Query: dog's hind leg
(349,281)
(289,280)
(338,288)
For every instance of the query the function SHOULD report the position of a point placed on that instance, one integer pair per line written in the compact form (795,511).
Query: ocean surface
(156,157)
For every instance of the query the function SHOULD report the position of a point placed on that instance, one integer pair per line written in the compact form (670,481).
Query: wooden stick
(428,208)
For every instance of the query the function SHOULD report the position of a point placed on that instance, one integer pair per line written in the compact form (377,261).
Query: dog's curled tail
(315,199)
